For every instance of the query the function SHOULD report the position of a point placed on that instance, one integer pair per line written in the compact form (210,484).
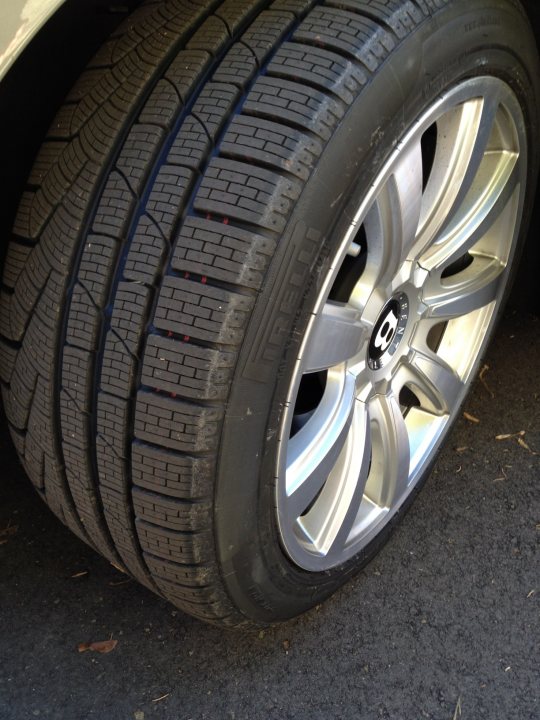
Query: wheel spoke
(393,222)
(469,290)
(481,123)
(434,382)
(337,336)
(406,187)
(463,137)
(329,522)
(479,212)
(389,472)
(315,449)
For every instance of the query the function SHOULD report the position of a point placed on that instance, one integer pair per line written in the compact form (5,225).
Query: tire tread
(149,221)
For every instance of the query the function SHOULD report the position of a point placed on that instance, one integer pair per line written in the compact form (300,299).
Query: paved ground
(444,623)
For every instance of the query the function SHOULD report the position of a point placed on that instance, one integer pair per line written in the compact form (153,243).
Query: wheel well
(37,84)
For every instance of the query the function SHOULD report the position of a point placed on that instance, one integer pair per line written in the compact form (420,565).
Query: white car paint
(19,22)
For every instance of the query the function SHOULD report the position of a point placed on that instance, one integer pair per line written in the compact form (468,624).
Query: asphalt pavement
(444,624)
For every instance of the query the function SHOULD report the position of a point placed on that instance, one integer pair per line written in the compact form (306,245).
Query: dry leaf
(509,436)
(80,574)
(462,449)
(524,445)
(531,594)
(7,532)
(286,645)
(470,417)
(102,646)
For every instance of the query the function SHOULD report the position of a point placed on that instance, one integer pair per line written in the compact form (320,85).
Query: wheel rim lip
(425,445)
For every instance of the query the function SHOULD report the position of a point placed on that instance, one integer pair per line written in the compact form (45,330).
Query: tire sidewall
(464,40)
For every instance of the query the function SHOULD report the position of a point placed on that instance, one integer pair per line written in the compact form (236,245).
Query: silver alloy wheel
(432,243)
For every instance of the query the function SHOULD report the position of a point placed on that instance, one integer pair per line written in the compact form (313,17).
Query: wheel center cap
(388,331)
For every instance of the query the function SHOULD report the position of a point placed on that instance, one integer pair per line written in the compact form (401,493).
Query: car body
(21,20)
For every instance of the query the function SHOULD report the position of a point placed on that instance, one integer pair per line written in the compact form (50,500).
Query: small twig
(120,582)
(161,698)
(483,371)
(504,477)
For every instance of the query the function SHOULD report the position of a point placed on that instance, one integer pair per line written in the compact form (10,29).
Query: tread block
(295,104)
(238,66)
(266,31)
(8,358)
(95,269)
(187,370)
(47,160)
(202,312)
(185,577)
(274,145)
(232,189)
(115,207)
(146,252)
(191,145)
(236,12)
(214,104)
(84,319)
(297,7)
(16,258)
(176,424)
(120,355)
(183,516)
(170,473)
(211,37)
(401,17)
(138,150)
(347,33)
(186,69)
(222,252)
(319,68)
(168,196)
(18,402)
(173,545)
(112,418)
(76,382)
(163,105)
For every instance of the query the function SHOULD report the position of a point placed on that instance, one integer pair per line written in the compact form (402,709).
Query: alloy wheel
(400,324)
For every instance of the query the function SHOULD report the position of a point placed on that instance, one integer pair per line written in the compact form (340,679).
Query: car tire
(203,204)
